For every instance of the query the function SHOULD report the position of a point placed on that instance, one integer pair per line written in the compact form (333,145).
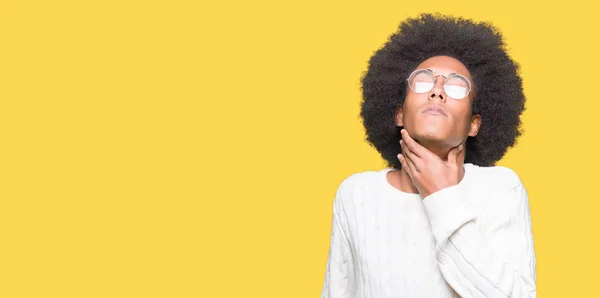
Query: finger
(453,154)
(407,165)
(414,147)
(404,164)
(411,157)
(460,157)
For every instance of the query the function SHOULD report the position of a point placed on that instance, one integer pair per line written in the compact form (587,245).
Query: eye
(422,87)
(457,86)
(421,80)
(456,92)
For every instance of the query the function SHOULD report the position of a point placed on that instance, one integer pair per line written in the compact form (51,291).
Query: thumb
(453,154)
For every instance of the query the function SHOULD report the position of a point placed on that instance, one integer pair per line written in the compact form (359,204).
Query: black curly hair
(498,93)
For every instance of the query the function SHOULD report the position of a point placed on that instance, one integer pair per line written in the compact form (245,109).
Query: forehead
(444,65)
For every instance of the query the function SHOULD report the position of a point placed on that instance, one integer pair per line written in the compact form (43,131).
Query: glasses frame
(435,79)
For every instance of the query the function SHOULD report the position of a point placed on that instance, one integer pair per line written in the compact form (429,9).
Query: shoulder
(355,190)
(359,180)
(498,177)
(358,185)
(498,188)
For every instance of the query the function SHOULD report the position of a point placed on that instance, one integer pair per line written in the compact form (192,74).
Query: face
(433,117)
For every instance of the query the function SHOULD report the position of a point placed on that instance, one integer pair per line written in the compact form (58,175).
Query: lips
(435,110)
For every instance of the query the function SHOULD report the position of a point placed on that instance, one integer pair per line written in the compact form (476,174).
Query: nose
(438,89)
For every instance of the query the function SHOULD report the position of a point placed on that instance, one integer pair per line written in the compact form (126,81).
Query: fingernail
(460,147)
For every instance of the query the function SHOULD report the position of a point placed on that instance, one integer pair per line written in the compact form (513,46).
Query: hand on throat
(427,167)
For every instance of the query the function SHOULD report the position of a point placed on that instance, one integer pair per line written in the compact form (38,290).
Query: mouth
(435,110)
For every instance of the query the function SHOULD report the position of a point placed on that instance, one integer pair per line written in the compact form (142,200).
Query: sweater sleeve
(339,274)
(493,258)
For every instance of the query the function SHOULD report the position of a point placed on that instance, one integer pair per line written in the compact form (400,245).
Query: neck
(404,182)
(400,179)
(441,150)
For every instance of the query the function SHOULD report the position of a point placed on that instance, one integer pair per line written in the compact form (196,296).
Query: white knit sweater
(470,240)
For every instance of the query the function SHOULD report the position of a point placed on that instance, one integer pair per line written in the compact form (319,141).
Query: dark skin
(432,144)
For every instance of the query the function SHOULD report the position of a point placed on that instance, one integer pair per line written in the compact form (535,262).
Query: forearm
(496,261)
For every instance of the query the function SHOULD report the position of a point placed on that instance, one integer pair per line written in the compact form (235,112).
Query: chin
(429,138)
(430,133)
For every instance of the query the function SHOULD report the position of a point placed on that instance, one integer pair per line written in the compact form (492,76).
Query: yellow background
(188,149)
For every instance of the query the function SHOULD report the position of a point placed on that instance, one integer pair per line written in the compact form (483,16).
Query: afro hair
(497,94)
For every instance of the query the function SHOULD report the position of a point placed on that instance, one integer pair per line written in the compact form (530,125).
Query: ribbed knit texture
(469,240)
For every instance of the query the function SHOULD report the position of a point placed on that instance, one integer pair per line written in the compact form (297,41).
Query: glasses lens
(421,81)
(457,87)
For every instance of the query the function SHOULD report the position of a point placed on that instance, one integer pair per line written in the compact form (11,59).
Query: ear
(399,116)
(475,124)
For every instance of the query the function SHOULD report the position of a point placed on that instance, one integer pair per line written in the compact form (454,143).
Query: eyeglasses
(422,81)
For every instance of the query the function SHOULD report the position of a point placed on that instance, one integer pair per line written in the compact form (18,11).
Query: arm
(493,259)
(480,255)
(339,275)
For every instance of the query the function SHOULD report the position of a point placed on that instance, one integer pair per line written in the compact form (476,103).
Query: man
(441,103)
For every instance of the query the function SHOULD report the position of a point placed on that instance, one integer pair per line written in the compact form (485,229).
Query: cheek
(410,105)
(408,116)
(459,109)
(462,120)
